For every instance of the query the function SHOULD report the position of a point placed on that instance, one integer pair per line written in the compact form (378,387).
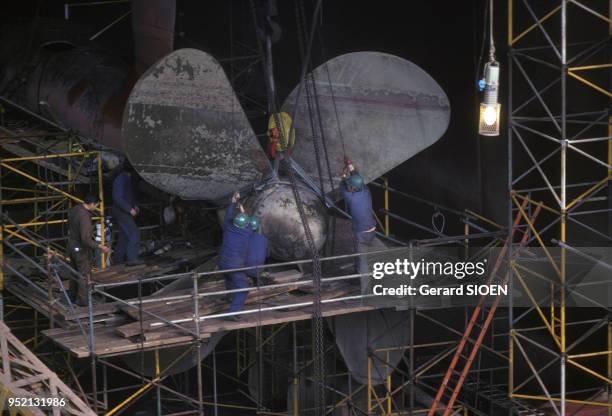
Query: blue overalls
(232,255)
(129,234)
(256,255)
(360,207)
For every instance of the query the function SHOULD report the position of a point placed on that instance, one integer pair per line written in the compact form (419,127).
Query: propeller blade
(382,108)
(186,133)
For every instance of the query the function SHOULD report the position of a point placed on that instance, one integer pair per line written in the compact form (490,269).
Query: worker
(233,252)
(257,253)
(359,202)
(81,246)
(124,212)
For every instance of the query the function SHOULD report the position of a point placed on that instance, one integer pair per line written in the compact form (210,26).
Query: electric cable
(482,44)
(491,41)
(300,23)
(319,362)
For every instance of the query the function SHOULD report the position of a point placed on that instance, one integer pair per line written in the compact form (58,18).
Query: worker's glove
(346,172)
(348,167)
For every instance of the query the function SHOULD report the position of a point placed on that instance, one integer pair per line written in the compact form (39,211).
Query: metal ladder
(466,360)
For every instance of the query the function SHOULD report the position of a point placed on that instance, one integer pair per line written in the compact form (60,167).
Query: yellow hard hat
(286,139)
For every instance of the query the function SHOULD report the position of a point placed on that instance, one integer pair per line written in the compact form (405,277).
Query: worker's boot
(232,318)
(265,279)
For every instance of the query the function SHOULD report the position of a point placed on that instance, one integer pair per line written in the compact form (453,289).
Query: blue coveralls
(360,207)
(129,234)
(256,255)
(232,255)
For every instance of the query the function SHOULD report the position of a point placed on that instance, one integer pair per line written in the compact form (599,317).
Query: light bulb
(488,123)
(490,115)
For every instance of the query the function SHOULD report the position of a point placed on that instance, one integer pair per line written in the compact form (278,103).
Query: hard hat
(241,220)
(285,131)
(355,182)
(254,223)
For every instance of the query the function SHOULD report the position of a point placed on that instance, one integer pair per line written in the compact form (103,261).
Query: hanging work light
(489,107)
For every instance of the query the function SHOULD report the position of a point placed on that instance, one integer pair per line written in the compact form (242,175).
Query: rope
(491,43)
(272,101)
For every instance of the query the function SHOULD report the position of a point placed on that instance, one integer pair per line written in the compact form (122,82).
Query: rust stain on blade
(185,131)
(385,108)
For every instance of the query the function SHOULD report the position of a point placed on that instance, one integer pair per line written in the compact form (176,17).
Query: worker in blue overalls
(233,252)
(124,211)
(359,202)
(257,253)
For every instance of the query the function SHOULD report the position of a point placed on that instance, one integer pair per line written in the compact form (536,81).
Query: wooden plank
(29,297)
(107,342)
(162,307)
(169,262)
(61,313)
(273,297)
(186,309)
(82,312)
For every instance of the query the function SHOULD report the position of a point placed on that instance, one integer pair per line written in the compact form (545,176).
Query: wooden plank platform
(164,264)
(108,342)
(136,335)
(178,309)
(123,329)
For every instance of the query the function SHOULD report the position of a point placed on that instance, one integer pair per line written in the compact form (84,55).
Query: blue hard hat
(355,181)
(241,220)
(254,223)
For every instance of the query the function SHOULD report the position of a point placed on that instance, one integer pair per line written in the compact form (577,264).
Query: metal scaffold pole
(563,200)
(539,119)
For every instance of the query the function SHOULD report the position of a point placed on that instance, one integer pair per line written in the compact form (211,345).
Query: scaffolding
(48,173)
(559,122)
(39,237)
(44,205)
(30,239)
(23,375)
